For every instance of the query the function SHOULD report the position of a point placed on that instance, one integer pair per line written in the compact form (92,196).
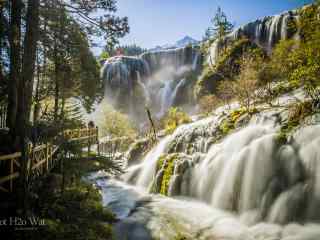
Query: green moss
(167,162)
(230,122)
(296,114)
(226,126)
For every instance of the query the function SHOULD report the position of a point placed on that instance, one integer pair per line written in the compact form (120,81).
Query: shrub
(116,124)
(299,62)
(208,103)
(246,83)
(225,92)
(173,119)
(297,112)
(282,61)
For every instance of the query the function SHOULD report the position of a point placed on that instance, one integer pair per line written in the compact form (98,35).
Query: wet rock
(136,151)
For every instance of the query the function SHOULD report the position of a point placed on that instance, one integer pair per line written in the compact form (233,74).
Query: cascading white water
(144,88)
(148,165)
(273,30)
(247,173)
(153,79)
(265,32)
(245,186)
(168,94)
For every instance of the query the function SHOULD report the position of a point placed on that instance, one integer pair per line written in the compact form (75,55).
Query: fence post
(47,157)
(97,140)
(11,172)
(89,140)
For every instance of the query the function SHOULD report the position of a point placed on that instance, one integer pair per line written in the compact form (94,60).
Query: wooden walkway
(41,158)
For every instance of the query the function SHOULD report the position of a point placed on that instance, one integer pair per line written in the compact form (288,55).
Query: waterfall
(247,173)
(273,30)
(176,90)
(150,162)
(144,88)
(168,94)
(153,79)
(265,32)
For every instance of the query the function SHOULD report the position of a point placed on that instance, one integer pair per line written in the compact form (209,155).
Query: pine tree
(220,26)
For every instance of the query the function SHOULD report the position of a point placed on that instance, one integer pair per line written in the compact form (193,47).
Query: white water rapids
(245,186)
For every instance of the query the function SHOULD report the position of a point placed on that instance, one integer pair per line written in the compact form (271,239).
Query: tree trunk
(56,92)
(15,64)
(2,36)
(36,109)
(26,87)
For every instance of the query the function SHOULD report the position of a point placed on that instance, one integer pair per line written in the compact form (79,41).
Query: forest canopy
(46,58)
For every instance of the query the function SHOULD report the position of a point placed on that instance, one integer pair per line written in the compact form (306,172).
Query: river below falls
(144,216)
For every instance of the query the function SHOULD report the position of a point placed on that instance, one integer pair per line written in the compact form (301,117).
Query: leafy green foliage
(299,61)
(116,124)
(220,26)
(78,212)
(227,67)
(173,119)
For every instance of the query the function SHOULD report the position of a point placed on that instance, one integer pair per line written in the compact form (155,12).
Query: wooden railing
(11,162)
(110,147)
(3,116)
(81,134)
(41,158)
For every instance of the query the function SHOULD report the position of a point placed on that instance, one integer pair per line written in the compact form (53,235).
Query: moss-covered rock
(165,170)
(226,67)
(207,82)
(235,119)
(137,150)
(297,113)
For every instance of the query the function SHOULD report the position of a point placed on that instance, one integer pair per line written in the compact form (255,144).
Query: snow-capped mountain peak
(187,40)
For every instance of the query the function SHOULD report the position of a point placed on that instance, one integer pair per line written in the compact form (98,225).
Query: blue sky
(158,22)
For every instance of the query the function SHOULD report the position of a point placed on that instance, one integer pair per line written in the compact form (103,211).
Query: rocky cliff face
(265,32)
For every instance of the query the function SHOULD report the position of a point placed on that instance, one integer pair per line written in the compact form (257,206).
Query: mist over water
(154,79)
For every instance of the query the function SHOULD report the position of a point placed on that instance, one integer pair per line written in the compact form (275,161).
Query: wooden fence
(3,116)
(11,162)
(90,134)
(109,148)
(40,158)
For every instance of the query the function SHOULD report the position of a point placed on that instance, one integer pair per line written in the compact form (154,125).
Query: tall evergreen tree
(220,26)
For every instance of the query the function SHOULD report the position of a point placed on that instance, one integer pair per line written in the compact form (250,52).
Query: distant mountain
(187,40)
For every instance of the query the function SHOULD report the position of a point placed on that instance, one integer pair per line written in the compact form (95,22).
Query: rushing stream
(245,186)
